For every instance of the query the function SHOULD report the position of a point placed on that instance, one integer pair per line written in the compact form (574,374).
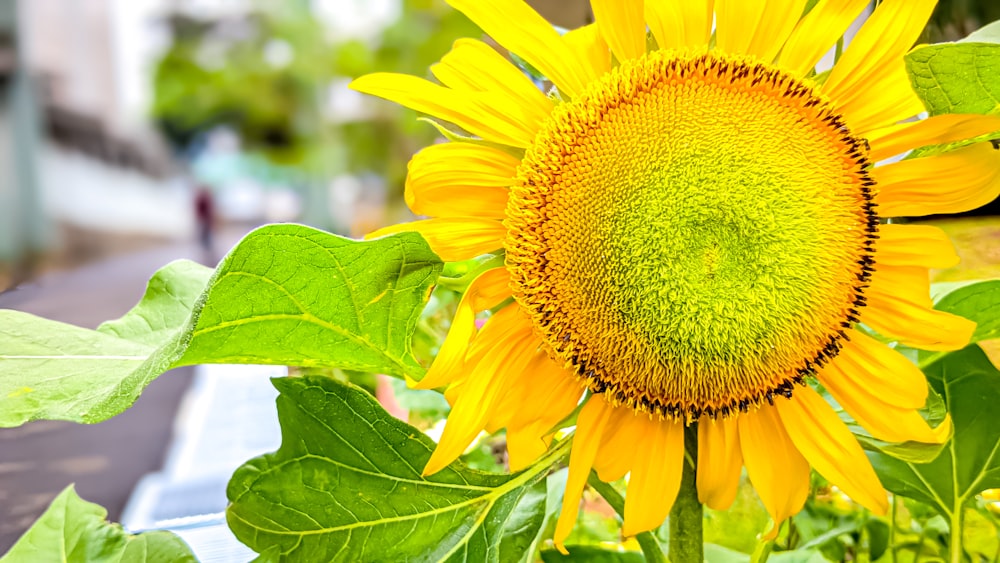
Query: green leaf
(715,553)
(285,295)
(346,486)
(591,554)
(72,529)
(970,385)
(524,525)
(167,304)
(978,301)
(879,534)
(956,77)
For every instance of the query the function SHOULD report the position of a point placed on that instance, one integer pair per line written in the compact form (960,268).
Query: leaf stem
(647,541)
(686,544)
(955,545)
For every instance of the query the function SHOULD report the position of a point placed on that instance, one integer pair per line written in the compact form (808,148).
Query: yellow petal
(952,182)
(490,115)
(546,394)
(889,100)
(911,283)
(817,32)
(487,290)
(719,462)
(915,245)
(476,67)
(899,306)
(866,363)
(525,444)
(774,28)
(830,448)
(589,429)
(656,474)
(588,43)
(622,26)
(777,470)
(936,130)
(756,27)
(616,456)
(885,421)
(516,26)
(677,25)
(735,22)
(455,239)
(869,83)
(459,180)
(487,380)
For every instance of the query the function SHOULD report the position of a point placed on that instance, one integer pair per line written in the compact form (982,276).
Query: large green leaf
(978,301)
(285,295)
(970,385)
(72,529)
(346,486)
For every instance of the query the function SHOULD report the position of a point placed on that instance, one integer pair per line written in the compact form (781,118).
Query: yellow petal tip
(437,462)
(943,431)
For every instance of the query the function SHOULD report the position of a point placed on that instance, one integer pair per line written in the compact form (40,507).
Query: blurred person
(204,213)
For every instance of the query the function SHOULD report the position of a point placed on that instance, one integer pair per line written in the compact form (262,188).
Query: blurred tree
(269,74)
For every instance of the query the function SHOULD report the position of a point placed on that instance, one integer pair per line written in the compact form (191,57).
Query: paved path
(105,460)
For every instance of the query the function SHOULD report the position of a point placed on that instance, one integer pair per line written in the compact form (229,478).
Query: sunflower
(689,226)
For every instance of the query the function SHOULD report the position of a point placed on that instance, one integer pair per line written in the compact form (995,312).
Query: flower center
(692,234)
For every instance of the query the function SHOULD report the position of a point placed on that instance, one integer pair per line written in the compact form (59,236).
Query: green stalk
(955,547)
(893,509)
(686,543)
(647,541)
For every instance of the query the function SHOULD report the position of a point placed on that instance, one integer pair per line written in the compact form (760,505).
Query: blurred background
(124,123)
(135,132)
(120,119)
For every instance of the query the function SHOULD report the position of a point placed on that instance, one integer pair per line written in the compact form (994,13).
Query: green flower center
(692,234)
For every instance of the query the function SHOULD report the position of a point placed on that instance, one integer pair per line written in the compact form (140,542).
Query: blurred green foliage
(225,73)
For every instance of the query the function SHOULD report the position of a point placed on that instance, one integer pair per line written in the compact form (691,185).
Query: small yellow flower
(693,229)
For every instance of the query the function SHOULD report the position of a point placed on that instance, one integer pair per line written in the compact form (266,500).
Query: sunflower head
(694,224)
(673,230)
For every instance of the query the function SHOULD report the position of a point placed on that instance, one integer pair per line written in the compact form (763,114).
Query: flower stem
(686,543)
(956,535)
(647,541)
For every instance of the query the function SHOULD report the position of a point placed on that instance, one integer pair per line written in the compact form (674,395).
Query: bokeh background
(128,127)
(115,113)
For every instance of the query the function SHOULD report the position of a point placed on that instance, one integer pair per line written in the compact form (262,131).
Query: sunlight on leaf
(285,295)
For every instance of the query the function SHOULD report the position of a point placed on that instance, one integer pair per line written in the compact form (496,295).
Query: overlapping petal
(869,83)
(779,473)
(952,182)
(678,25)
(459,180)
(817,32)
(518,27)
